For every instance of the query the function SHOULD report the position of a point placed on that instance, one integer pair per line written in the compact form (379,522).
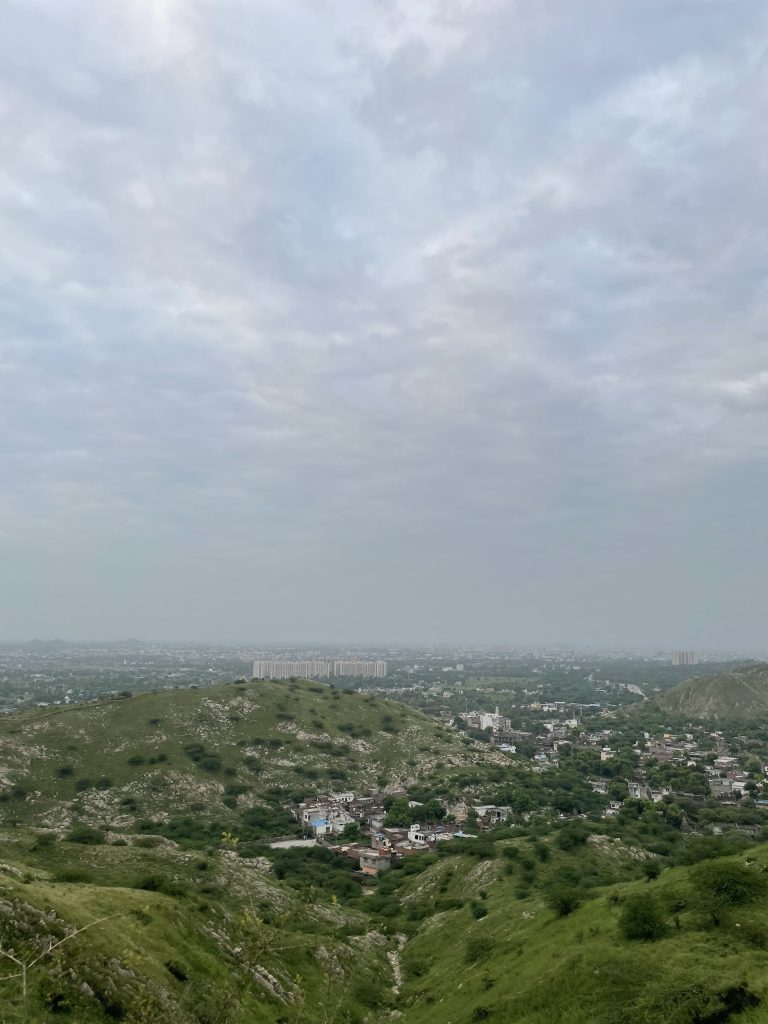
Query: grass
(521,964)
(232,945)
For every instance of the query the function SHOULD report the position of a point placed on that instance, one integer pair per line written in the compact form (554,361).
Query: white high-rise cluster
(318,668)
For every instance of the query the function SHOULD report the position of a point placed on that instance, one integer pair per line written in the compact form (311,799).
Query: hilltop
(739,694)
(220,757)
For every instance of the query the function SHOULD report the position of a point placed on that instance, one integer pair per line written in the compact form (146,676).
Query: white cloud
(306,281)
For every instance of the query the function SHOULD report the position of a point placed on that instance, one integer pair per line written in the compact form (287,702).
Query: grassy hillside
(740,694)
(225,756)
(505,959)
(179,937)
(519,930)
(121,899)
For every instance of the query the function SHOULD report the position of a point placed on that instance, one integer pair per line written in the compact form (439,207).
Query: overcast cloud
(384,320)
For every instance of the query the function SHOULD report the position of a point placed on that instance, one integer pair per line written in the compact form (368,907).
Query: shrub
(43,841)
(563,900)
(478,910)
(176,970)
(136,760)
(85,836)
(572,835)
(147,842)
(82,784)
(157,883)
(65,771)
(651,869)
(722,884)
(479,947)
(73,875)
(641,919)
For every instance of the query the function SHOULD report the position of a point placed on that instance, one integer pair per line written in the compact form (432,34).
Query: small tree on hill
(720,885)
(641,919)
(563,899)
(651,869)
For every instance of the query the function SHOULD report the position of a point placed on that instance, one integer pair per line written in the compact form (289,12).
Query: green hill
(483,930)
(519,963)
(225,756)
(175,937)
(739,694)
(122,897)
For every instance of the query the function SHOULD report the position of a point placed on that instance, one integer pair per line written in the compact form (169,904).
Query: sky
(384,320)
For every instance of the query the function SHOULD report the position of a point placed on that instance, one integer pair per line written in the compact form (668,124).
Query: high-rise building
(318,668)
(685,658)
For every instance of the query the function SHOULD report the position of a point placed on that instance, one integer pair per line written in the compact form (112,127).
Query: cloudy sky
(384,319)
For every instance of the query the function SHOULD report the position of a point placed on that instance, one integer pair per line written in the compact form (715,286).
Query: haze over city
(356,322)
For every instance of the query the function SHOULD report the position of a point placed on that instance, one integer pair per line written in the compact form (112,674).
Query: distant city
(430,677)
(319,668)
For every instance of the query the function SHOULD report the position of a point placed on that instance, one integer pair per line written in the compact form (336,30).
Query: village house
(490,815)
(373,862)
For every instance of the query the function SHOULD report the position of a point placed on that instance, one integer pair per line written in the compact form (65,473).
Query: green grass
(233,945)
(520,964)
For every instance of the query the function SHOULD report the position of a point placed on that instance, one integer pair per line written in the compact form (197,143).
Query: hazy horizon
(443,320)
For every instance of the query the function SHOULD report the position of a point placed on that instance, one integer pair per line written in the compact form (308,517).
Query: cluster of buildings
(376,846)
(499,727)
(318,668)
(727,781)
(685,658)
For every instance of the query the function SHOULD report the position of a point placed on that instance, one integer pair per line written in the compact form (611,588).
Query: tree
(351,832)
(641,919)
(618,790)
(563,899)
(572,835)
(720,885)
(399,814)
(651,869)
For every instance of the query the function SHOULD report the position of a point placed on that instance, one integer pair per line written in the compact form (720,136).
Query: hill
(739,694)
(504,959)
(224,757)
(168,935)
(512,929)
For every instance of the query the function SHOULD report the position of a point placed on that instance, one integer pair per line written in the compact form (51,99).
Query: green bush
(85,835)
(74,875)
(572,835)
(563,900)
(719,885)
(478,947)
(641,918)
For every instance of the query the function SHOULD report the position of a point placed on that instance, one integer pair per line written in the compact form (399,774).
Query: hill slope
(175,937)
(740,694)
(521,964)
(217,754)
(191,939)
